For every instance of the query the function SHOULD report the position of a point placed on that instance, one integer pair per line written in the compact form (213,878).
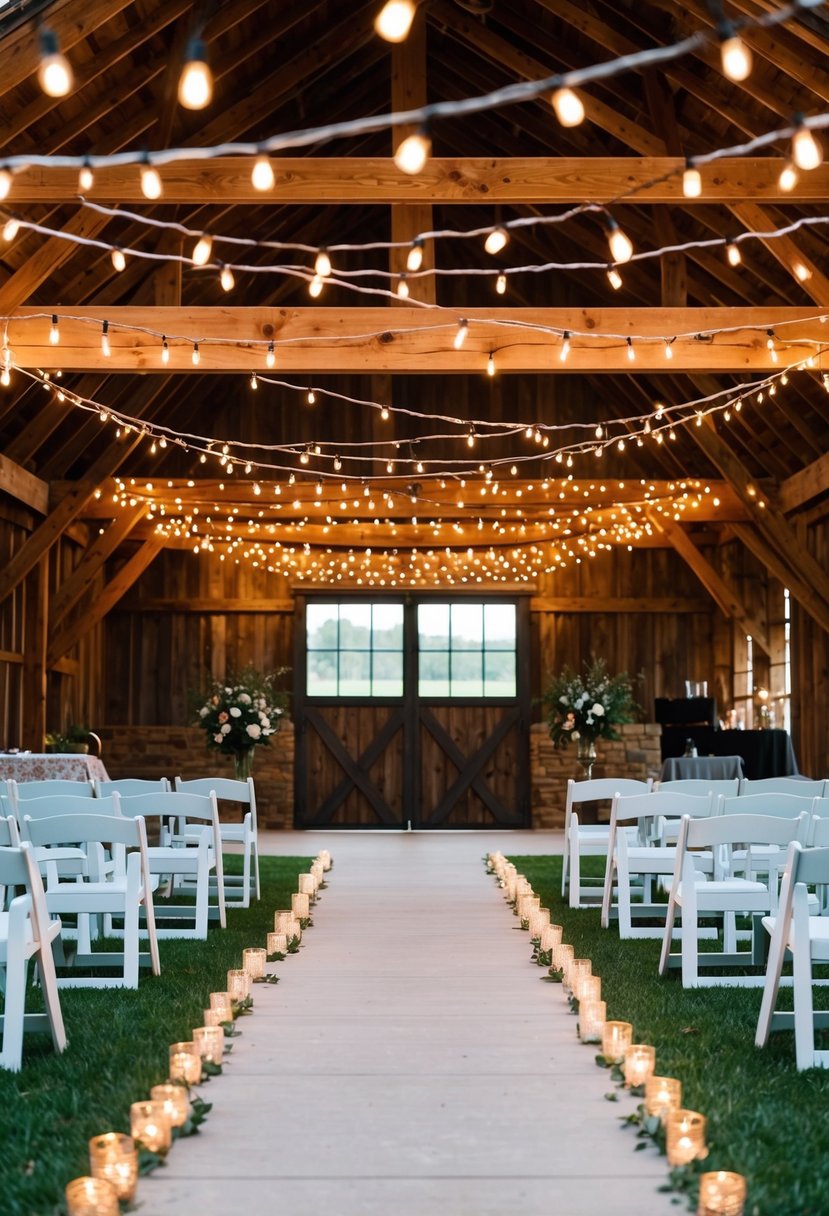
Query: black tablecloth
(710,768)
(765,753)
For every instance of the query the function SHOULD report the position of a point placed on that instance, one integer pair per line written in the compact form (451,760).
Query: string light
(270,356)
(322,263)
(614,278)
(54,331)
(254,383)
(5,183)
(691,181)
(226,278)
(402,287)
(165,350)
(802,272)
(631,351)
(262,177)
(565,347)
(461,333)
(118,259)
(412,153)
(807,153)
(105,348)
(195,86)
(496,240)
(770,346)
(621,248)
(151,186)
(568,107)
(735,56)
(414,258)
(315,287)
(196,355)
(11,228)
(669,350)
(501,284)
(394,20)
(788,177)
(312,397)
(384,413)
(203,249)
(86,178)
(490,364)
(54,72)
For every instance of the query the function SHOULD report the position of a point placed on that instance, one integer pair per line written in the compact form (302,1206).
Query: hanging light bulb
(86,178)
(501,284)
(565,346)
(669,350)
(195,85)
(806,151)
(490,364)
(402,288)
(105,348)
(770,346)
(315,287)
(5,183)
(54,331)
(384,413)
(496,240)
(801,272)
(54,73)
(568,107)
(614,278)
(460,334)
(11,228)
(150,181)
(312,397)
(788,177)
(118,260)
(196,355)
(322,263)
(735,56)
(202,250)
(732,253)
(691,181)
(414,259)
(631,351)
(254,383)
(165,350)
(262,177)
(470,438)
(394,20)
(270,357)
(621,248)
(412,153)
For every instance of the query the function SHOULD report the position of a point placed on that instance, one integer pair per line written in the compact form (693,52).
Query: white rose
(575,735)
(254,730)
(277,711)
(228,691)
(225,728)
(244,699)
(563,700)
(217,738)
(235,712)
(598,710)
(204,711)
(580,701)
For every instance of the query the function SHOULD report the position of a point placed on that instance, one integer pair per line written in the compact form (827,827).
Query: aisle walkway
(410,1063)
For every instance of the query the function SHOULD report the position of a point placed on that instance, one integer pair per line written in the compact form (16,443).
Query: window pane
(499,673)
(499,626)
(322,673)
(387,626)
(387,674)
(321,621)
(355,673)
(433,626)
(355,626)
(467,627)
(434,674)
(467,674)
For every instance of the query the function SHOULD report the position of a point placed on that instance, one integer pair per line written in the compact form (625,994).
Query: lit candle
(176,1100)
(300,905)
(551,936)
(150,1124)
(185,1063)
(539,920)
(579,970)
(253,961)
(592,1017)
(114,1157)
(721,1194)
(616,1039)
(277,943)
(281,920)
(685,1136)
(662,1095)
(238,984)
(590,989)
(221,1002)
(212,1017)
(561,953)
(92,1197)
(640,1061)
(210,1042)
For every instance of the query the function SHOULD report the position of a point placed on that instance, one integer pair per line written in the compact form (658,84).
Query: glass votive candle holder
(113,1156)
(721,1194)
(185,1063)
(281,920)
(325,858)
(592,1017)
(551,936)
(253,961)
(91,1197)
(307,886)
(176,1101)
(150,1124)
(538,922)
(294,929)
(616,1038)
(212,1017)
(640,1061)
(221,1003)
(579,970)
(301,905)
(685,1136)
(238,984)
(562,955)
(210,1041)
(277,943)
(662,1095)
(590,989)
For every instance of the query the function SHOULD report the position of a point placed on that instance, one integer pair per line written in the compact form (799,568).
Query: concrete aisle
(410,1062)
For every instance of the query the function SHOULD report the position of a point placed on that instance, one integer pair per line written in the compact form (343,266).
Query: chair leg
(690,963)
(670,921)
(623,899)
(565,860)
(11,1056)
(254,845)
(131,939)
(804,1025)
(771,986)
(51,997)
(575,863)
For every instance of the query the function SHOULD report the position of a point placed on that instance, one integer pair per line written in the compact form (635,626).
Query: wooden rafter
(72,590)
(23,485)
(808,483)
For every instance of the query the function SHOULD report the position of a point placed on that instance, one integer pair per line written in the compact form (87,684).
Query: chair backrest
(24,790)
(17,869)
(599,788)
(226,789)
(665,803)
(807,865)
(129,787)
(745,829)
(803,787)
(64,804)
(772,803)
(728,787)
(166,804)
(85,828)
(819,836)
(9,835)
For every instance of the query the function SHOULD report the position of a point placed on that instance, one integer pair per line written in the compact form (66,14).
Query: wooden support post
(35,626)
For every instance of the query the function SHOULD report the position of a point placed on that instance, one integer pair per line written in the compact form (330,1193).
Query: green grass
(766,1120)
(118,1048)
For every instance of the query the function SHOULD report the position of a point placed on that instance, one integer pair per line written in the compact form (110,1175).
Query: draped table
(765,753)
(707,768)
(58,766)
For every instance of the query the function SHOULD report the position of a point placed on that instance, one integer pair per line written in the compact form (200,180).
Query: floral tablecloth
(37,766)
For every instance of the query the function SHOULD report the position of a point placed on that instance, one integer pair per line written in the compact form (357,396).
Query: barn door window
(466,649)
(354,649)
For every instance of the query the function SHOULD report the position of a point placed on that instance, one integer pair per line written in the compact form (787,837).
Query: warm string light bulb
(490,364)
(621,248)
(565,346)
(54,331)
(669,350)
(788,177)
(150,181)
(196,355)
(394,20)
(312,397)
(568,107)
(631,351)
(496,240)
(262,177)
(105,347)
(254,383)
(614,278)
(203,249)
(807,153)
(5,183)
(165,350)
(86,179)
(11,228)
(54,72)
(801,272)
(315,287)
(770,346)
(270,357)
(412,153)
(195,85)
(735,56)
(118,259)
(732,253)
(414,258)
(322,263)
(691,181)
(402,288)
(501,284)
(460,334)
(226,279)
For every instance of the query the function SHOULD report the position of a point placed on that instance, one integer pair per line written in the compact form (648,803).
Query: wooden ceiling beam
(72,590)
(23,485)
(71,22)
(812,603)
(798,489)
(361,339)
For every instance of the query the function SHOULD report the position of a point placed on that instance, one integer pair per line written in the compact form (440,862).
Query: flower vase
(243,763)
(586,755)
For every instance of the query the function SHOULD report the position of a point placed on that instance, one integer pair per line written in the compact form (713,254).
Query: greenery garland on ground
(118,1048)
(765,1120)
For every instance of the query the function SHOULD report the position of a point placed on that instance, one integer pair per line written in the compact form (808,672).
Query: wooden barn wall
(810,671)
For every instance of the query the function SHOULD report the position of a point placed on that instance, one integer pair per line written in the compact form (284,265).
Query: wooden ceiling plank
(23,485)
(48,418)
(71,21)
(801,487)
(785,249)
(72,590)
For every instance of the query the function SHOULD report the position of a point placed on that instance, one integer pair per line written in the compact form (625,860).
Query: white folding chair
(241,793)
(192,857)
(728,787)
(725,894)
(798,934)
(26,933)
(589,840)
(802,787)
(121,894)
(646,858)
(23,791)
(779,803)
(130,787)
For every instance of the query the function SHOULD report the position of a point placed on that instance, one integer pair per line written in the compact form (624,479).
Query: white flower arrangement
(589,706)
(242,711)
